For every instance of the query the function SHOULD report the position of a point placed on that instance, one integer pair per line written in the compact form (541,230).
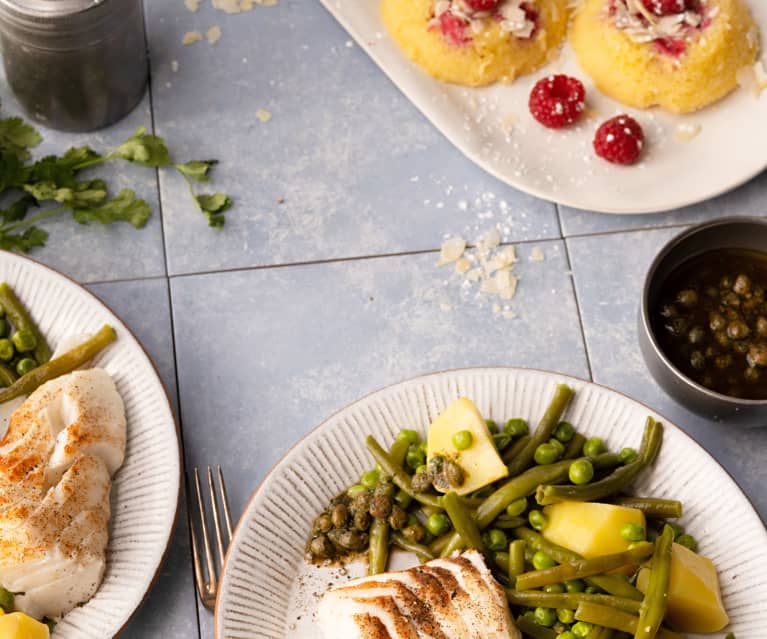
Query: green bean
(61,365)
(422,552)
(398,450)
(612,618)
(531,629)
(652,506)
(397,473)
(654,605)
(583,567)
(7,375)
(512,451)
(516,558)
(612,584)
(437,546)
(463,523)
(600,632)
(520,486)
(569,600)
(550,420)
(505,522)
(613,483)
(574,447)
(378,550)
(22,321)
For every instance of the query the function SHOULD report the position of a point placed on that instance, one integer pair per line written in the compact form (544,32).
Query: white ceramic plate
(269,591)
(560,165)
(146,488)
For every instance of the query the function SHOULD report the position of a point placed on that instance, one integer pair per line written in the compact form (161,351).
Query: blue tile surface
(360,170)
(609,275)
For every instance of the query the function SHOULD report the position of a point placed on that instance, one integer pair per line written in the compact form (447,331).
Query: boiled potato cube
(481,463)
(17,625)
(694,599)
(590,528)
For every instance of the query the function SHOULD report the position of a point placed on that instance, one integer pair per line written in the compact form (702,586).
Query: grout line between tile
(578,310)
(680,225)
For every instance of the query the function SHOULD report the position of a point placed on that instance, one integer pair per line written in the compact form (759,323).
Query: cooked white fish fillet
(57,458)
(452,598)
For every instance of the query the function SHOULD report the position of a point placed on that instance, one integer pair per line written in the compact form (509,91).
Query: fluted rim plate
(268,590)
(145,490)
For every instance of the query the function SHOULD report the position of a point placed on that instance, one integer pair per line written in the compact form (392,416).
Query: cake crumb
(537,255)
(451,250)
(190,37)
(445,308)
(686,132)
(192,5)
(753,78)
(174,65)
(264,115)
(213,34)
(462,265)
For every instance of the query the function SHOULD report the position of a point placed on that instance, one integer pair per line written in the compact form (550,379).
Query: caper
(731,299)
(380,506)
(339,514)
(322,524)
(738,329)
(716,321)
(687,297)
(361,520)
(669,311)
(421,482)
(722,339)
(742,284)
(730,314)
(758,294)
(761,326)
(711,352)
(322,548)
(741,347)
(677,326)
(697,360)
(751,374)
(454,474)
(696,335)
(726,282)
(723,361)
(757,354)
(398,518)
(361,502)
(712,292)
(348,539)
(414,532)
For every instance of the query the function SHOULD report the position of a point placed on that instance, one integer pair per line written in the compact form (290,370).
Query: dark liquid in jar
(711,321)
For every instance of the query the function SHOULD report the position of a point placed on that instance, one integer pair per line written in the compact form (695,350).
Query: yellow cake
(681,62)
(456,43)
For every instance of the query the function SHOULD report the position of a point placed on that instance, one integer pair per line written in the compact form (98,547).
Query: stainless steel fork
(208,587)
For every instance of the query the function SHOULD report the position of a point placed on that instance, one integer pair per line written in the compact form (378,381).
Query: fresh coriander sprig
(56,179)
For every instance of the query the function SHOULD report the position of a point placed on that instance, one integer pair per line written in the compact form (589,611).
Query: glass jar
(74,65)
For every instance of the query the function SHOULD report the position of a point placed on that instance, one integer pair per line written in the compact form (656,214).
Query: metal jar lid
(62,24)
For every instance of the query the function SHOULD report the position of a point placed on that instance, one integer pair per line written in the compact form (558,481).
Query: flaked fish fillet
(57,458)
(452,598)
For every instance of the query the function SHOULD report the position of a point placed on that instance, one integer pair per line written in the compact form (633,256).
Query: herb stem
(34,219)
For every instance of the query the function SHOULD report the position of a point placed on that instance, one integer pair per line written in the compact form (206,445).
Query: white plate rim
(249,510)
(116,321)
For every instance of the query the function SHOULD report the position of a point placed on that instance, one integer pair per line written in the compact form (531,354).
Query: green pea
(545,616)
(496,540)
(24,340)
(463,439)
(581,629)
(403,499)
(408,435)
(594,590)
(678,530)
(564,431)
(356,489)
(546,454)
(424,448)
(415,457)
(541,561)
(565,615)
(633,532)
(558,445)
(555,589)
(438,524)
(537,519)
(517,507)
(4,328)
(6,600)
(637,544)
(516,427)
(594,446)
(567,635)
(370,479)
(24,365)
(7,351)
(688,541)
(581,471)
(491,425)
(628,455)
(575,585)
(423,468)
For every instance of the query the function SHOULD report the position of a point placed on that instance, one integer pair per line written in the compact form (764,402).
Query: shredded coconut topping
(642,25)
(510,13)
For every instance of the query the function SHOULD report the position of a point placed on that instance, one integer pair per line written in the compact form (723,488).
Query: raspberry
(482,5)
(665,7)
(619,140)
(670,46)
(454,29)
(557,101)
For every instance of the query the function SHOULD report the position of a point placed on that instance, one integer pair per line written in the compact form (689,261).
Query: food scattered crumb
(753,78)
(686,132)
(537,255)
(192,5)
(267,3)
(462,265)
(591,114)
(349,44)
(213,34)
(174,65)
(264,115)
(451,250)
(280,200)
(190,37)
(445,308)
(508,123)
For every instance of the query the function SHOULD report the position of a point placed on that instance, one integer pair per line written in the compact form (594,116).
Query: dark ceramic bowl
(733,232)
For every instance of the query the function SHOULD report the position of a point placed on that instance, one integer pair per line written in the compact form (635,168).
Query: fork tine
(205,537)
(216,519)
(225,502)
(198,576)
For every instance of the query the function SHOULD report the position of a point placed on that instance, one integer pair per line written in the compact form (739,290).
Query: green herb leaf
(33,237)
(213,206)
(18,137)
(18,210)
(124,207)
(13,173)
(144,148)
(43,191)
(196,170)
(51,170)
(79,155)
